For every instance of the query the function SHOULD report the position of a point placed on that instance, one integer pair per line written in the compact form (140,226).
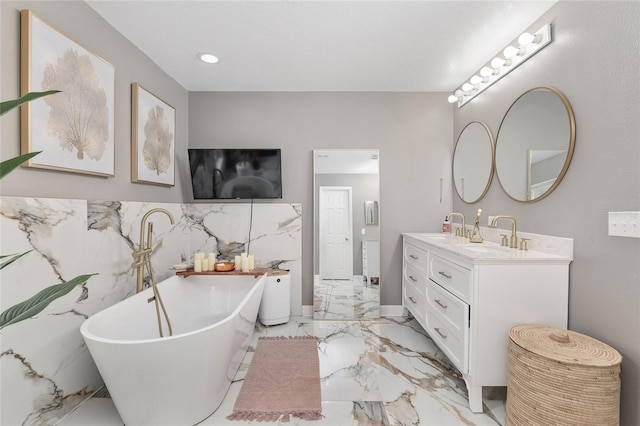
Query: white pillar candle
(245,264)
(238,263)
(251,262)
(205,264)
(212,261)
(197,265)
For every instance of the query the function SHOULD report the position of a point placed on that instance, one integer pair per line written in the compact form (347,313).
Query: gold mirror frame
(526,157)
(457,153)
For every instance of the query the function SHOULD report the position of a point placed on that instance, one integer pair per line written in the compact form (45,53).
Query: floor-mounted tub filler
(183,378)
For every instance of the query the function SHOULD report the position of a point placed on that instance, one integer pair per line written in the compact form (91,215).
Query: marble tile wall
(45,367)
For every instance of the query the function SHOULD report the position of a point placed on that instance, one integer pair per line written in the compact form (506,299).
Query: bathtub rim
(89,335)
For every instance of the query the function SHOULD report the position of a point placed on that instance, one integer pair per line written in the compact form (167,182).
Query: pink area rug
(283,380)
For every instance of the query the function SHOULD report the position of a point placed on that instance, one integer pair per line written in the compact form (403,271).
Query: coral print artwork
(153,147)
(73,128)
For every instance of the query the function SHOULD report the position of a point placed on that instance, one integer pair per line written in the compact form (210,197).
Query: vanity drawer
(413,277)
(415,302)
(451,309)
(451,276)
(416,257)
(454,346)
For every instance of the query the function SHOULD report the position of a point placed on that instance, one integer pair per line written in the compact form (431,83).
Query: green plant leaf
(13,257)
(7,166)
(38,302)
(7,106)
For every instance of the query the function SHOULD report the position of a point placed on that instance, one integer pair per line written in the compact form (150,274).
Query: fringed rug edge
(284,417)
(287,338)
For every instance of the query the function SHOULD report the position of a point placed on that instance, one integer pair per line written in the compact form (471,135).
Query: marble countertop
(485,251)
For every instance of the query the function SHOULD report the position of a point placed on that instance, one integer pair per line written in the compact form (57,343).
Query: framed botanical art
(153,129)
(73,129)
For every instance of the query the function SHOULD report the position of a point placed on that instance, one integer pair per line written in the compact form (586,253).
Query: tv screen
(235,173)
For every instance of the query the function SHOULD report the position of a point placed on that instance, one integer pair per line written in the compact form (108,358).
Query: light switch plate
(624,224)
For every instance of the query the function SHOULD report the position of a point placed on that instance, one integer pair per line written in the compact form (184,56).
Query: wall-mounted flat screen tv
(235,173)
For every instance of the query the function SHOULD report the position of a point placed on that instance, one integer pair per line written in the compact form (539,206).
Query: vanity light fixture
(513,55)
(208,58)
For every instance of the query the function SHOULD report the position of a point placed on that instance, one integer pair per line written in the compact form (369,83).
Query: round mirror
(473,162)
(535,144)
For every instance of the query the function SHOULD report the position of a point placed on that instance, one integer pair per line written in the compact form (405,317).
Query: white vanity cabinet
(467,296)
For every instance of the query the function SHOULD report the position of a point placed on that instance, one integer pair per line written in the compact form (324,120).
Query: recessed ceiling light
(208,58)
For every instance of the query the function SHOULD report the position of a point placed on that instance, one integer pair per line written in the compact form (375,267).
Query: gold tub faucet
(142,256)
(142,259)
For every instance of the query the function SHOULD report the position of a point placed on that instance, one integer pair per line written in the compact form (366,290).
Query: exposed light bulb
(452,99)
(208,58)
(486,71)
(497,62)
(526,38)
(467,87)
(475,80)
(511,51)
(459,93)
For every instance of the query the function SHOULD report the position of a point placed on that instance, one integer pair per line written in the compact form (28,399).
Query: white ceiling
(321,45)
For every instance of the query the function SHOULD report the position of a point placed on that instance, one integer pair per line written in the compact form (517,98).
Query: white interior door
(335,233)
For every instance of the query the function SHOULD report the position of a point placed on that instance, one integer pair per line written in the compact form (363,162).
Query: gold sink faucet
(514,237)
(463,230)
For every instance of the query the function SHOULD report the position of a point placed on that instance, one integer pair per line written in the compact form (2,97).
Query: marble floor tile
(373,372)
(345,299)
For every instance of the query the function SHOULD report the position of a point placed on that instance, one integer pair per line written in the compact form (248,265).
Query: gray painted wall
(413,132)
(80,23)
(595,60)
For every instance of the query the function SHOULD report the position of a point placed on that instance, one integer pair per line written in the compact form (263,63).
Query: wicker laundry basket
(560,377)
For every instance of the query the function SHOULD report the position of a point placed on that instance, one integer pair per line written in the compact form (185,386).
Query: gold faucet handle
(523,244)
(504,242)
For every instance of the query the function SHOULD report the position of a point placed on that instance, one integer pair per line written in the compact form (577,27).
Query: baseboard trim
(391,310)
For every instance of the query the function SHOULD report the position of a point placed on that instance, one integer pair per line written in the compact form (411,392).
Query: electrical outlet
(490,220)
(624,224)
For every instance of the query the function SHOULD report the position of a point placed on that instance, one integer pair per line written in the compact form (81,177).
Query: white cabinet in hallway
(371,261)
(467,297)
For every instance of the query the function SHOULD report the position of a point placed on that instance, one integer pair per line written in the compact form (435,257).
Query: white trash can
(275,306)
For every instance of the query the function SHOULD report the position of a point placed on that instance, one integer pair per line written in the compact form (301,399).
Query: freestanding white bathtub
(181,379)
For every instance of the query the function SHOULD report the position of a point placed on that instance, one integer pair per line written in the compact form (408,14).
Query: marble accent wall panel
(45,367)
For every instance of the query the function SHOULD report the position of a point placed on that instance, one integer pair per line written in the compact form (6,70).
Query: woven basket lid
(564,346)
